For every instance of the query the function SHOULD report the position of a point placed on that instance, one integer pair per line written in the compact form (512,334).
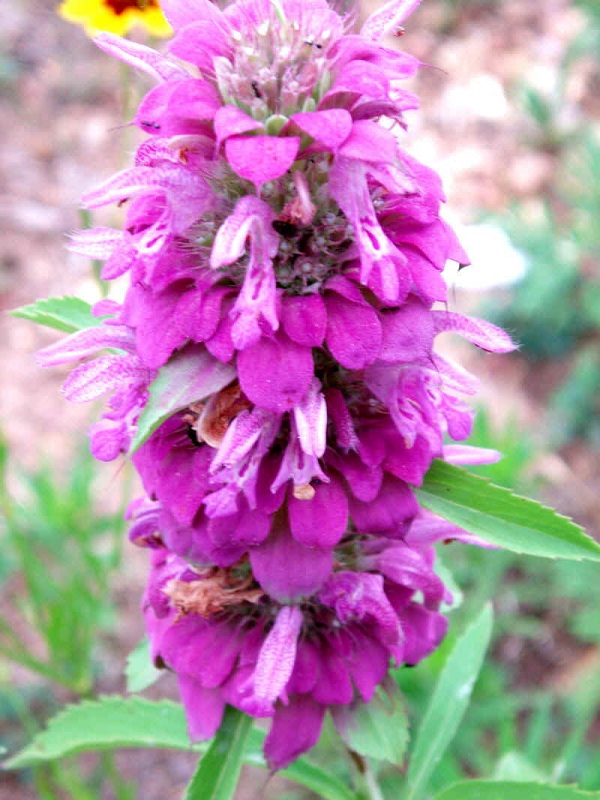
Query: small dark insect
(256,90)
(153,125)
(285,229)
(313,44)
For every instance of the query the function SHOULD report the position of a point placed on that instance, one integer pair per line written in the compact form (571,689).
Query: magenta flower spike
(277,233)
(230,641)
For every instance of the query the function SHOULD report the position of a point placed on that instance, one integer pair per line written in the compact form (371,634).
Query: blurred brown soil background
(61,106)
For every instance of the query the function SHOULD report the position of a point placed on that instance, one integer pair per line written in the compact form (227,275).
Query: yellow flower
(116,16)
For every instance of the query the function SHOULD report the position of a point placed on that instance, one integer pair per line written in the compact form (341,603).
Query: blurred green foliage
(554,312)
(557,304)
(61,552)
(518,447)
(58,555)
(592,8)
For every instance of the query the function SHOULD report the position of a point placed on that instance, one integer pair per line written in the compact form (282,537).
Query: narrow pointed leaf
(218,773)
(68,314)
(508,790)
(448,703)
(501,517)
(188,377)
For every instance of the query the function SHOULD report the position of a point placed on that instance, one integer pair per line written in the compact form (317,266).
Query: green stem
(373,790)
(370,788)
(121,789)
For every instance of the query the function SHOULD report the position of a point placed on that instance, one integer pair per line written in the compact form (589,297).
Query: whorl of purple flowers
(275,227)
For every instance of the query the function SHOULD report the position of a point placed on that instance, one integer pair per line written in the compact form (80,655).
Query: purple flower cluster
(283,248)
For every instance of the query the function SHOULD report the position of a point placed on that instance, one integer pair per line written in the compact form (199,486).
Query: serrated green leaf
(188,377)
(107,724)
(140,672)
(115,722)
(378,729)
(218,773)
(501,517)
(68,314)
(448,702)
(509,790)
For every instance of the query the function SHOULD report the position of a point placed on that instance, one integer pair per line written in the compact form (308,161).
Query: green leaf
(448,703)
(115,722)
(106,724)
(188,377)
(315,778)
(501,517)
(302,771)
(378,729)
(508,790)
(68,314)
(218,773)
(140,672)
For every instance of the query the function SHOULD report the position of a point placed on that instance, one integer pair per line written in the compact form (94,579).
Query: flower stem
(370,788)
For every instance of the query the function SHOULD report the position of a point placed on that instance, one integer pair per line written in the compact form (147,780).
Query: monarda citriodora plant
(272,368)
